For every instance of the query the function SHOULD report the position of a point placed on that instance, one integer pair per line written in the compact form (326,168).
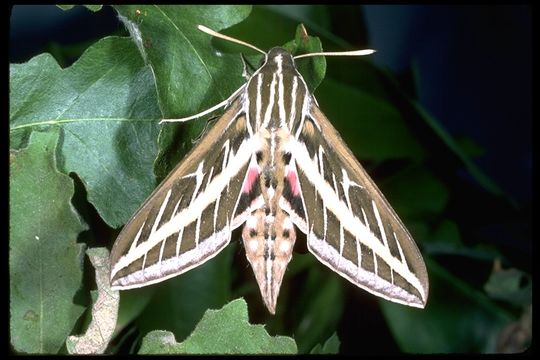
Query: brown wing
(350,226)
(179,226)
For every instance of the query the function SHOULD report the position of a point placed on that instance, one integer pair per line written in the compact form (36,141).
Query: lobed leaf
(106,106)
(188,73)
(471,321)
(224,331)
(45,262)
(331,346)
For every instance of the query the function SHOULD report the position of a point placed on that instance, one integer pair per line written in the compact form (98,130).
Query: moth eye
(252,232)
(259,156)
(286,233)
(287,158)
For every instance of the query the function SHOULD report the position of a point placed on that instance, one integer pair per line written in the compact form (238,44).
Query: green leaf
(132,304)
(104,310)
(190,76)
(469,147)
(312,69)
(416,193)
(92,8)
(316,16)
(446,239)
(185,65)
(511,285)
(457,318)
(372,128)
(447,235)
(274,25)
(107,107)
(310,309)
(224,331)
(331,346)
(45,262)
(173,307)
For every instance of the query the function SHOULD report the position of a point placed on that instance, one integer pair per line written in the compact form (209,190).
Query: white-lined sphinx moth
(274,163)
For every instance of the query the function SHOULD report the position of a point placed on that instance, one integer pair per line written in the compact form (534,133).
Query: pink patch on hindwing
(253,174)
(293,182)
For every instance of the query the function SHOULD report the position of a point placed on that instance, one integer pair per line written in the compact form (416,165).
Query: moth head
(281,56)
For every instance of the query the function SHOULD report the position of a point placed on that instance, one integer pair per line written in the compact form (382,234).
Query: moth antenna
(207,111)
(338,53)
(228,38)
(224,103)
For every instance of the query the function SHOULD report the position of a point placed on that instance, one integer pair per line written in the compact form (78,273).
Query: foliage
(232,334)
(44,263)
(97,121)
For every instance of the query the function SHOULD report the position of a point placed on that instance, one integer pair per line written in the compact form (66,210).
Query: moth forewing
(188,218)
(358,235)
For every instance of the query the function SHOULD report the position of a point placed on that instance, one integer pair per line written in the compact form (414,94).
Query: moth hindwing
(274,164)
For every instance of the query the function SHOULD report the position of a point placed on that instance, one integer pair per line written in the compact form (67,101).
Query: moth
(274,164)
